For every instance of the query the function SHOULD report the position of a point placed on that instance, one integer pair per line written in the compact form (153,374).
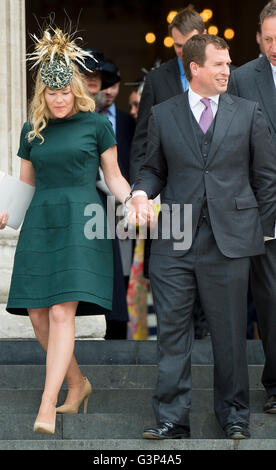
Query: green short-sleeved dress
(57,259)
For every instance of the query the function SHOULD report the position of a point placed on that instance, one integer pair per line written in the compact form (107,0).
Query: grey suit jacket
(254,81)
(238,178)
(160,85)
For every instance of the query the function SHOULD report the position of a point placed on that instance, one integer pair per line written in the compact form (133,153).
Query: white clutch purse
(15,198)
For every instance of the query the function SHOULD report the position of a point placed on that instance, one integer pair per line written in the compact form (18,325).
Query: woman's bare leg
(74,378)
(60,349)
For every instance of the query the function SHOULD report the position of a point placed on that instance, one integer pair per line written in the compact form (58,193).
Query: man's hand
(140,211)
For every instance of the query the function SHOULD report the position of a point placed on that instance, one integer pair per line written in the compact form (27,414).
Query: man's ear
(194,68)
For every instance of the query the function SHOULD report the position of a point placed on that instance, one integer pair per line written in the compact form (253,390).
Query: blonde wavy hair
(39,113)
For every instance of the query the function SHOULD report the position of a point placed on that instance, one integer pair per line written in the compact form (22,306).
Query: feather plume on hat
(56,52)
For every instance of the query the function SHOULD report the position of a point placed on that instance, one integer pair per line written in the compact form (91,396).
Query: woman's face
(60,102)
(93,82)
(133,101)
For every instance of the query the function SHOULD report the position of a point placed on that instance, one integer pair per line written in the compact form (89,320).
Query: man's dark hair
(187,20)
(268,10)
(194,50)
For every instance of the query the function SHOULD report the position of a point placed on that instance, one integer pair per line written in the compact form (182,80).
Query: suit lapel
(266,87)
(224,117)
(183,117)
(172,77)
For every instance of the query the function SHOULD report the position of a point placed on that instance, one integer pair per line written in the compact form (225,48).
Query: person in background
(123,125)
(96,78)
(256,81)
(259,40)
(133,103)
(164,82)
(138,287)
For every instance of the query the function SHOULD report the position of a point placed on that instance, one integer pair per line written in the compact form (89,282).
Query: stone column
(13,113)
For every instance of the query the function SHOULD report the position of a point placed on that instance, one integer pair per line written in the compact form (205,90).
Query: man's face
(211,78)
(111,93)
(260,42)
(269,38)
(133,102)
(93,82)
(180,39)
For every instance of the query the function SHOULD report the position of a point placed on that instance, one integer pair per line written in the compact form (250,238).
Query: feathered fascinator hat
(55,54)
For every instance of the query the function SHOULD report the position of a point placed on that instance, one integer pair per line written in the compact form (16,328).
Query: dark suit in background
(230,215)
(160,85)
(125,127)
(117,320)
(254,81)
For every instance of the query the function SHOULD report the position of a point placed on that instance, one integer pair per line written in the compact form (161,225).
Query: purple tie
(206,117)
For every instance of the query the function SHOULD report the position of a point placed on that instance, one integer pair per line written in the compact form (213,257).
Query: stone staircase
(123,375)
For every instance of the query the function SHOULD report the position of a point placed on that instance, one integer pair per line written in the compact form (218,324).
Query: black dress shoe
(167,431)
(237,431)
(270,406)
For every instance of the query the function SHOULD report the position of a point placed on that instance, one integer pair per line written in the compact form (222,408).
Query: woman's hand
(3,220)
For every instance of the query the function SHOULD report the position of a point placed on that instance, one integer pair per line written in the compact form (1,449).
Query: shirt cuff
(139,192)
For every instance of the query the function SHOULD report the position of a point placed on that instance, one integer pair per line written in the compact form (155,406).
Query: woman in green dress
(60,269)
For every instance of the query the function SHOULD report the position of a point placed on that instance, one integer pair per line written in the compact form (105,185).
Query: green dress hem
(88,304)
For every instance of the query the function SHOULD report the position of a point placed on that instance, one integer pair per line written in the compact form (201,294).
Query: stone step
(135,447)
(113,376)
(121,426)
(137,401)
(28,351)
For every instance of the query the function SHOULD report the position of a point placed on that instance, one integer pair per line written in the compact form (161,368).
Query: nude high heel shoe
(74,407)
(45,428)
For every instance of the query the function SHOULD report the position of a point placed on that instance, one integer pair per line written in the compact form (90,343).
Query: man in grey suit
(164,82)
(256,81)
(161,84)
(204,147)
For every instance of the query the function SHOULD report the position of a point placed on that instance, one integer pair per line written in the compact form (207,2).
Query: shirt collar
(112,110)
(273,68)
(194,98)
(181,68)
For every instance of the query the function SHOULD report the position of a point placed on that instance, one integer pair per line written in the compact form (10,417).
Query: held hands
(140,211)
(3,220)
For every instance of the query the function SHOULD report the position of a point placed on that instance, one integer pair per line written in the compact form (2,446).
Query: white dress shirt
(273,72)
(197,107)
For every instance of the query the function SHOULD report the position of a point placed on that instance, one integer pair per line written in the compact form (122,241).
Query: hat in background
(109,71)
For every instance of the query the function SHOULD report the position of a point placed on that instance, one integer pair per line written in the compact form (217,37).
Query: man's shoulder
(239,101)
(247,69)
(124,116)
(163,68)
(170,103)
(125,121)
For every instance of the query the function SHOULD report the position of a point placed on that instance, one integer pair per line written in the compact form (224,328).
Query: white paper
(15,198)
